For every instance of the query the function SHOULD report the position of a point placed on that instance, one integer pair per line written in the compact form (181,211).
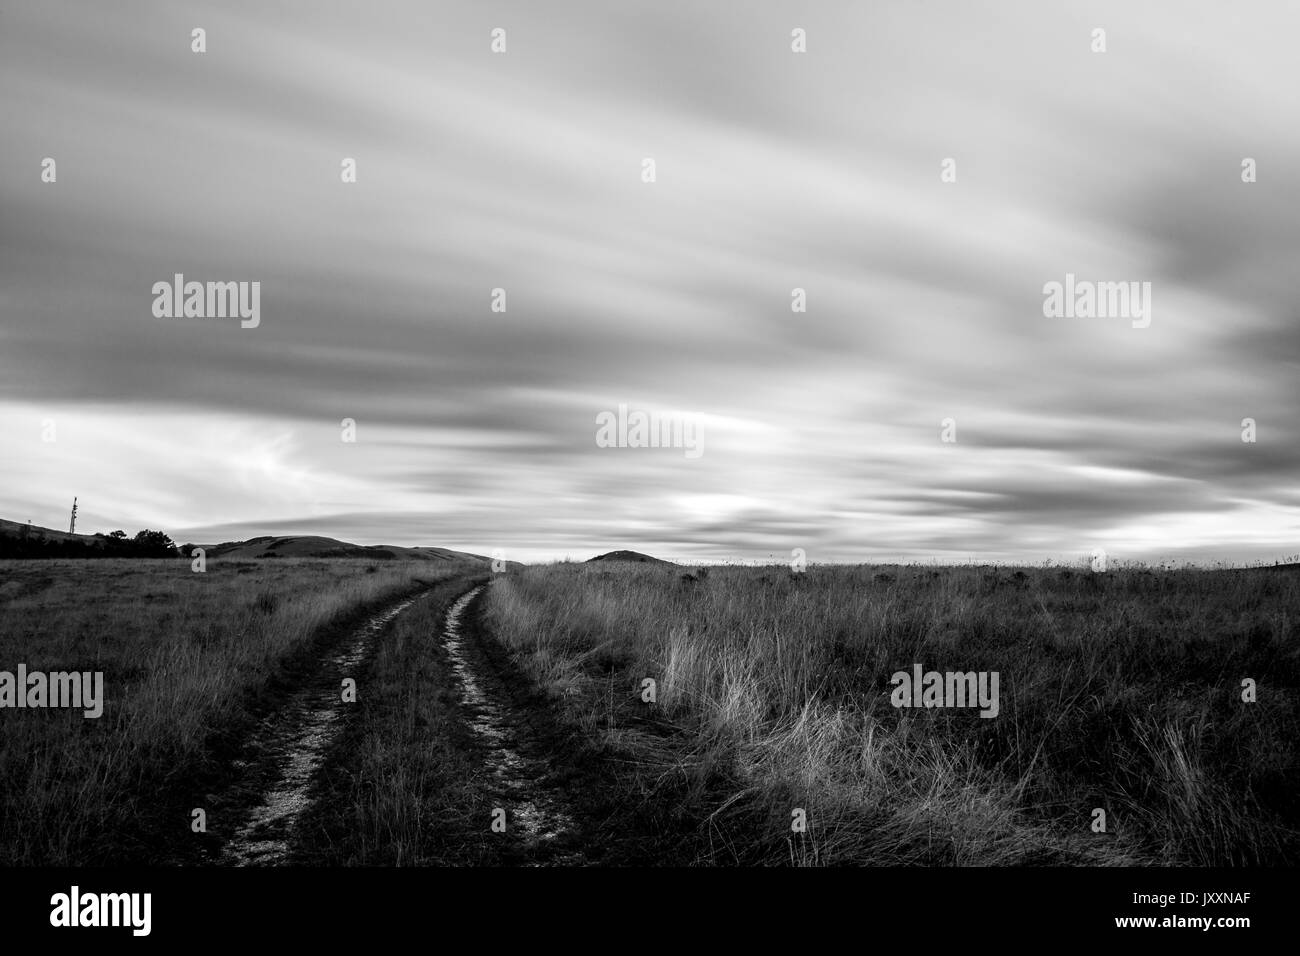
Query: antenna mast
(72,526)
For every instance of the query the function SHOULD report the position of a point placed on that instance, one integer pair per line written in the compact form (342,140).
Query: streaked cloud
(775,171)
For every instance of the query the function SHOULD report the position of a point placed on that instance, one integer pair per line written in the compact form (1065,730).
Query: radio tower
(72,526)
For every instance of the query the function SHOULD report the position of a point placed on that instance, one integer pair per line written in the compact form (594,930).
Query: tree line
(116,544)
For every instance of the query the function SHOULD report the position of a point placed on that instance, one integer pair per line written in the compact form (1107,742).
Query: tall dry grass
(1119,691)
(185,657)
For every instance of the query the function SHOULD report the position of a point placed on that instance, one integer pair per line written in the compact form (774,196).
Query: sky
(825,171)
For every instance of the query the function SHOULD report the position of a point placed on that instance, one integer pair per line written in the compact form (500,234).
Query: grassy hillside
(315,546)
(20,540)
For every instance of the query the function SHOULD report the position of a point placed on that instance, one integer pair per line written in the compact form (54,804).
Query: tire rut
(539,816)
(292,742)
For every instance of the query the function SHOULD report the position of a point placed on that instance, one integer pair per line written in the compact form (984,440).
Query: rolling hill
(633,556)
(18,540)
(316,546)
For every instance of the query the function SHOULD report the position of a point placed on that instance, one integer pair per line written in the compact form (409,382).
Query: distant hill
(19,540)
(635,556)
(29,541)
(315,546)
(21,530)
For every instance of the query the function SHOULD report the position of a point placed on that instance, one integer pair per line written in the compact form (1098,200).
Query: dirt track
(537,814)
(295,740)
(303,746)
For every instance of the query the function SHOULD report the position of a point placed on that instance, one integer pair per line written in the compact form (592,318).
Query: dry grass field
(1120,691)
(187,660)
